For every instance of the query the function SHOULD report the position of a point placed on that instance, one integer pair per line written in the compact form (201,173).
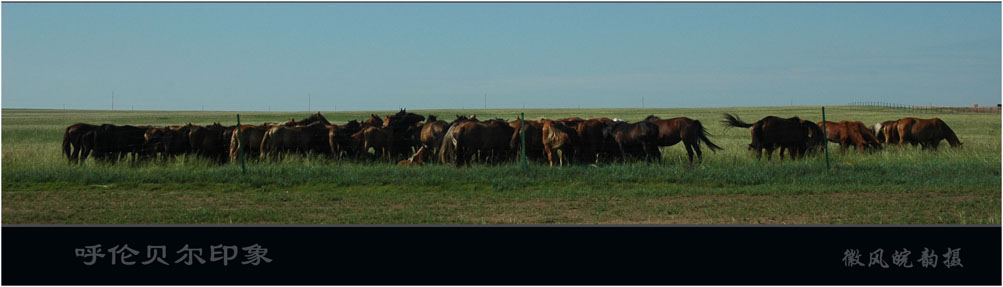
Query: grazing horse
(299,139)
(490,138)
(686,130)
(534,138)
(208,141)
(849,133)
(110,142)
(886,132)
(447,147)
(771,132)
(926,132)
(638,139)
(432,132)
(560,139)
(592,144)
(74,137)
(247,139)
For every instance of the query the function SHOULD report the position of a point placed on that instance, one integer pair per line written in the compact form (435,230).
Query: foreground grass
(896,185)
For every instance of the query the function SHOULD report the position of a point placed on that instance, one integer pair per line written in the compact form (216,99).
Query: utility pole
(113,100)
(642,102)
(309,103)
(485,101)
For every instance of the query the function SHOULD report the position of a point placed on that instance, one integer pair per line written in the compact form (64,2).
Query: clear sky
(382,56)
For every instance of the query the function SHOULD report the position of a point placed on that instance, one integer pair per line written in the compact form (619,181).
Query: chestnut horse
(886,132)
(431,133)
(490,138)
(926,132)
(850,133)
(686,130)
(534,138)
(560,139)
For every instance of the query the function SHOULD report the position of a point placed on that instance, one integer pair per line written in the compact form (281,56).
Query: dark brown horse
(405,132)
(771,132)
(340,138)
(926,132)
(682,129)
(558,139)
(73,138)
(314,118)
(110,143)
(299,139)
(534,139)
(592,144)
(447,147)
(638,139)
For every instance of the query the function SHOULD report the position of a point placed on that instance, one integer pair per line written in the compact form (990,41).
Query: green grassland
(895,185)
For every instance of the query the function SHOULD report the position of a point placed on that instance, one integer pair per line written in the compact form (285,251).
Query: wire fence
(929,109)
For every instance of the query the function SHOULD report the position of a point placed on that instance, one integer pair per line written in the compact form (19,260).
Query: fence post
(825,139)
(240,146)
(522,127)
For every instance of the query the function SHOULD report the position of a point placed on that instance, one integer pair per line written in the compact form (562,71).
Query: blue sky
(382,56)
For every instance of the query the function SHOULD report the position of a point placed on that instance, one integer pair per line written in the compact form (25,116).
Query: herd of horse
(412,139)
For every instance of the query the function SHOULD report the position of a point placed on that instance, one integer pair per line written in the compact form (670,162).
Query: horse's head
(431,118)
(652,118)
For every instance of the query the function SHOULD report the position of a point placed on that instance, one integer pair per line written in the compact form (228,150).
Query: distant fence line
(928,109)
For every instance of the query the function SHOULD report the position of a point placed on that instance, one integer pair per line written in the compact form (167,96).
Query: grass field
(895,185)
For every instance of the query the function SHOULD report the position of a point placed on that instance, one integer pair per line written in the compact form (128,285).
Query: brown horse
(209,142)
(447,147)
(73,138)
(571,121)
(339,138)
(772,132)
(314,118)
(534,138)
(886,132)
(490,138)
(683,129)
(431,133)
(926,132)
(849,133)
(372,121)
(247,139)
(638,139)
(299,139)
(592,144)
(558,139)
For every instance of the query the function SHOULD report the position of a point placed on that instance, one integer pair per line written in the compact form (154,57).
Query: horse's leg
(550,156)
(696,147)
(689,151)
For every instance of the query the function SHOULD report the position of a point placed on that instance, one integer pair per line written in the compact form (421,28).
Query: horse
(247,139)
(560,139)
(490,138)
(638,139)
(299,139)
(417,159)
(208,141)
(571,121)
(771,132)
(592,143)
(405,133)
(686,130)
(447,145)
(379,139)
(110,142)
(534,138)
(926,132)
(886,132)
(314,118)
(372,121)
(431,133)
(339,137)
(73,139)
(849,133)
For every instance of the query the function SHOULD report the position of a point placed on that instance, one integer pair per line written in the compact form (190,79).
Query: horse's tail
(235,144)
(733,121)
(948,133)
(703,136)
(66,143)
(446,144)
(266,141)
